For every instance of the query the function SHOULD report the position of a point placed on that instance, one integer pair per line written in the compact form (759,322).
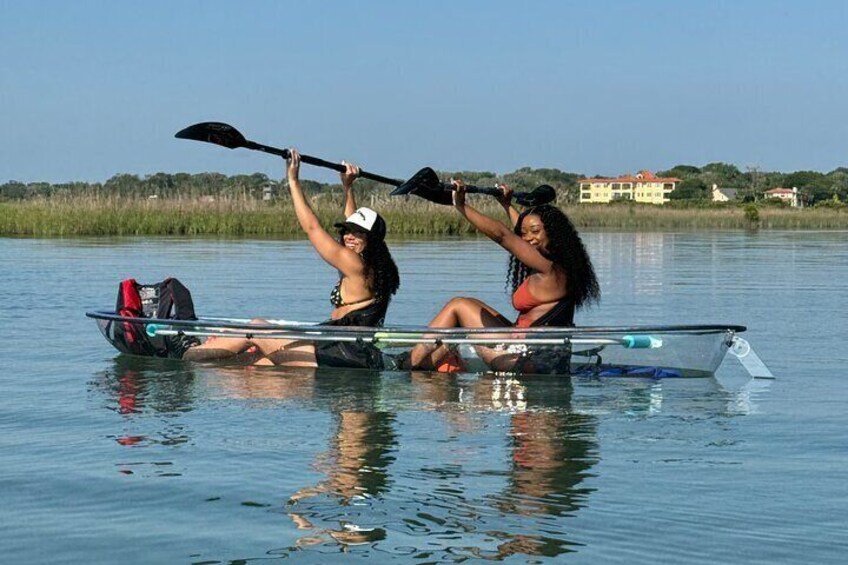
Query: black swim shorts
(348,355)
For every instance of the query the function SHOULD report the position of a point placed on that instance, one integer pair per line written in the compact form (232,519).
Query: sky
(92,89)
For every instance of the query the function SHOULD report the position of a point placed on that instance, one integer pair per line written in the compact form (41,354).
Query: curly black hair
(566,250)
(380,269)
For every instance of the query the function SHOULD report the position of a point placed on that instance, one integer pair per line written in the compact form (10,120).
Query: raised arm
(330,250)
(500,233)
(350,174)
(505,200)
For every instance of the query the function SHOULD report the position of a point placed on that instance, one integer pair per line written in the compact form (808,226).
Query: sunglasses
(355,233)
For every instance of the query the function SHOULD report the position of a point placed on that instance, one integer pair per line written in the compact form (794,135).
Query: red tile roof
(642,176)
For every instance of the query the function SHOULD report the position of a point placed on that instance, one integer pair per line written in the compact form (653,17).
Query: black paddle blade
(543,194)
(218,133)
(425,184)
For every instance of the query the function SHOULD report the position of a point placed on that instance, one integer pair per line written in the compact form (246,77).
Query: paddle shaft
(284,153)
(227,136)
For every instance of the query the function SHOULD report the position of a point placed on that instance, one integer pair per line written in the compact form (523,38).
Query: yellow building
(642,187)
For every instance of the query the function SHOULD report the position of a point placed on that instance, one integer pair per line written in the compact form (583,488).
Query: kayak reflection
(132,386)
(136,384)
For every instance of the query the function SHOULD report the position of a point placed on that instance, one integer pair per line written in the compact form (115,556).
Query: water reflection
(433,466)
(550,450)
(136,384)
(631,264)
(438,505)
(355,464)
(257,383)
(134,387)
(551,455)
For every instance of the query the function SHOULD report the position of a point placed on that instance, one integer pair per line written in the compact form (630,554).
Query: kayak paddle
(425,183)
(227,136)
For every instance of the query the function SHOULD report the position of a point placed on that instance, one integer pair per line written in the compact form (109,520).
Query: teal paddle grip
(641,342)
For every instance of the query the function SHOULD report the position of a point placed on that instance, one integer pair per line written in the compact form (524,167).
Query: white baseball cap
(367,220)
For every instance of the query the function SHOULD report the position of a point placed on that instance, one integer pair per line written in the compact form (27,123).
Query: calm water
(106,459)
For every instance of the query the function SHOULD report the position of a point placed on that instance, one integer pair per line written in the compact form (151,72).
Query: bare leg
(459,312)
(218,348)
(288,352)
(291,353)
(221,347)
(496,359)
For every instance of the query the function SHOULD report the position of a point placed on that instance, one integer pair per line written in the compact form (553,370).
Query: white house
(724,194)
(789,195)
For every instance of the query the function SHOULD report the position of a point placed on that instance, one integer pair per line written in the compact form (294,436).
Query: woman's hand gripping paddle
(426,184)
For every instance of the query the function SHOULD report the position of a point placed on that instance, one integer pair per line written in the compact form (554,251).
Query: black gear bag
(166,300)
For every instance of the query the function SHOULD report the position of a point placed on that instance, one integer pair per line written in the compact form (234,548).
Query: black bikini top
(336,297)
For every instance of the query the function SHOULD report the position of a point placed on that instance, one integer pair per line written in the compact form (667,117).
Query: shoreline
(407,218)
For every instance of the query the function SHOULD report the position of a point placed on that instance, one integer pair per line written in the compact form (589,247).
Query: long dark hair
(566,250)
(380,269)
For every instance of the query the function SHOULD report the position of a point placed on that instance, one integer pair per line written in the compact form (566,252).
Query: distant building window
(616,186)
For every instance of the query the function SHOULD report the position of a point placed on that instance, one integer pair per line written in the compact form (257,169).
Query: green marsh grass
(406,216)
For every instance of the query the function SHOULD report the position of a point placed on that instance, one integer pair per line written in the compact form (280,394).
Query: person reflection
(290,383)
(443,393)
(551,451)
(355,465)
(551,455)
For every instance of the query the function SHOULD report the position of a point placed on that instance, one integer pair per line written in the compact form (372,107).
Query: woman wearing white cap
(368,277)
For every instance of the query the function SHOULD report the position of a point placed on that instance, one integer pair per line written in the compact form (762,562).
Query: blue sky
(92,89)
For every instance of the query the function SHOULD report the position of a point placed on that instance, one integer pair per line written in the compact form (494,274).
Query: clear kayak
(650,351)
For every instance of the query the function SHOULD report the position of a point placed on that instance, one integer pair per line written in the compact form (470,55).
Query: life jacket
(166,300)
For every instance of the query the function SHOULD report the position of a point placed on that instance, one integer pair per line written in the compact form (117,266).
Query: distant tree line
(253,187)
(696,184)
(816,188)
(159,185)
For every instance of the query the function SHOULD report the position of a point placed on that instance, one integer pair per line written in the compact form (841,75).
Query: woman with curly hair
(550,275)
(368,277)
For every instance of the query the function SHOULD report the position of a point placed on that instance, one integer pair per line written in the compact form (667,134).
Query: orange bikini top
(524,301)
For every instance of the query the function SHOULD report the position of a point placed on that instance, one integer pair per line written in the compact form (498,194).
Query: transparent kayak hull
(658,351)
